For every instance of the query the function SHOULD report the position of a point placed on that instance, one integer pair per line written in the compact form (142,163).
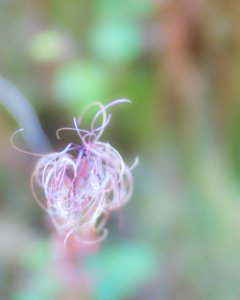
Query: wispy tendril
(84,183)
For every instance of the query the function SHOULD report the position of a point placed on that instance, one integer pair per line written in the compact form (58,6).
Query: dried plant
(84,183)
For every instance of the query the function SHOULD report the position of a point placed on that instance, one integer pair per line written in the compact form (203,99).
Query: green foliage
(116,42)
(121,269)
(40,282)
(124,10)
(47,46)
(37,256)
(80,82)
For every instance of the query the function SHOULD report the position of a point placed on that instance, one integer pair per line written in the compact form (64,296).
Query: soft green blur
(178,61)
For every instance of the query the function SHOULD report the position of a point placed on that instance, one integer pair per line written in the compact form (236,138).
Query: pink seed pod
(83,184)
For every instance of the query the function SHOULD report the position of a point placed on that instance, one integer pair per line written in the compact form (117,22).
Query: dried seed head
(83,183)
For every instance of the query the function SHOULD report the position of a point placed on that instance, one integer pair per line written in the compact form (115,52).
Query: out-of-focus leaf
(47,46)
(120,269)
(78,83)
(37,256)
(42,286)
(124,9)
(116,42)
(235,142)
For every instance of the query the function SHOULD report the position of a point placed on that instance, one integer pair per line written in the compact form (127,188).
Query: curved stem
(22,111)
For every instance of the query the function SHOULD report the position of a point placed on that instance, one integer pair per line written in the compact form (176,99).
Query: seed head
(84,183)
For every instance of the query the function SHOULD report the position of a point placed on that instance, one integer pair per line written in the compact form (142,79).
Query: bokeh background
(179,63)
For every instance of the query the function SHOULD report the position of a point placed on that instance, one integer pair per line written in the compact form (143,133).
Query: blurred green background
(178,61)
